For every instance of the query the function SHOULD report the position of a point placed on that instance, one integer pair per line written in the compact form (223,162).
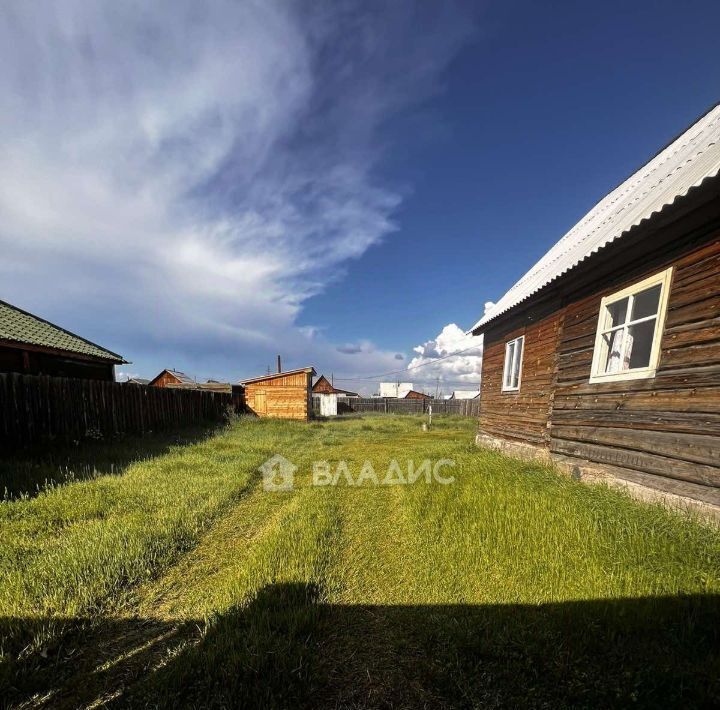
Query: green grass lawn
(179,581)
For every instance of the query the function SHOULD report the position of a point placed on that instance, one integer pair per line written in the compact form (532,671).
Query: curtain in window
(620,352)
(628,347)
(613,361)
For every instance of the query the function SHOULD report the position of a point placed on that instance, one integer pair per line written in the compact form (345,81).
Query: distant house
(171,378)
(464,394)
(605,356)
(34,346)
(283,395)
(137,381)
(396,390)
(414,394)
(174,379)
(324,386)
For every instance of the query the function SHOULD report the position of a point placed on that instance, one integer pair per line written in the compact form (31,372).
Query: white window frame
(596,373)
(511,364)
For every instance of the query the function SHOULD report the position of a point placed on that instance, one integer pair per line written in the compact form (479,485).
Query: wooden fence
(37,408)
(389,405)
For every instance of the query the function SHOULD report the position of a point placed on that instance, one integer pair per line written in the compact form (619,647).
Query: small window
(630,326)
(513,364)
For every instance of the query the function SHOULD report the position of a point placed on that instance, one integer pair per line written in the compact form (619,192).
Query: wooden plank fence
(390,405)
(38,408)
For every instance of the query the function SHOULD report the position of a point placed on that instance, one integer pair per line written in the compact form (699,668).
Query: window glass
(639,340)
(513,364)
(509,350)
(605,345)
(646,303)
(614,359)
(630,325)
(516,363)
(617,313)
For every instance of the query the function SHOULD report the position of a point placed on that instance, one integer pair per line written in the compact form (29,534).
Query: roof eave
(273,375)
(22,345)
(648,222)
(695,152)
(114,357)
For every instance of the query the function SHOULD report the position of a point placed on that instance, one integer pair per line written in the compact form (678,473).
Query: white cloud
(177,178)
(454,373)
(122,376)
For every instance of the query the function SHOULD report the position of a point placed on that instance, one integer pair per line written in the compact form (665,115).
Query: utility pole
(437,386)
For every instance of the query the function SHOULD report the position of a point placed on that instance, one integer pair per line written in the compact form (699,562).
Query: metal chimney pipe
(279,365)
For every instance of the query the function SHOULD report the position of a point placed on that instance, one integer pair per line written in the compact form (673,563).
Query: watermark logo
(278,474)
(427,471)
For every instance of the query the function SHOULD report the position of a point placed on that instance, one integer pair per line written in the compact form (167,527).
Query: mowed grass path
(182,583)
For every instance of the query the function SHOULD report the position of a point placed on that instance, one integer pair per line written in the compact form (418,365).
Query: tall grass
(27,472)
(372,595)
(75,549)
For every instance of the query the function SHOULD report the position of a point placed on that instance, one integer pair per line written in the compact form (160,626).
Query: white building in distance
(395,390)
(464,394)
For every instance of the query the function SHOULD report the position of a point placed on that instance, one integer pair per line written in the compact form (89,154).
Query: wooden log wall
(281,396)
(38,408)
(521,415)
(668,425)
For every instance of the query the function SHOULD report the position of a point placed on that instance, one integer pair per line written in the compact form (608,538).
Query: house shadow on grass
(26,472)
(288,649)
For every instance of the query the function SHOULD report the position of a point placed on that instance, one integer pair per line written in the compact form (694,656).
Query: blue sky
(340,183)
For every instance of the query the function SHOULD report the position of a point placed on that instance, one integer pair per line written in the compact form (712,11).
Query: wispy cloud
(179,177)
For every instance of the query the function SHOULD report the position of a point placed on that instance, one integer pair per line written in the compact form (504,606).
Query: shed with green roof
(34,346)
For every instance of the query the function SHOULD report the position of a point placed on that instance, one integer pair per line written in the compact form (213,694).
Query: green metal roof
(22,327)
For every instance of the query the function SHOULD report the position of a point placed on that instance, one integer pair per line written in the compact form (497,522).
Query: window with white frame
(630,326)
(513,364)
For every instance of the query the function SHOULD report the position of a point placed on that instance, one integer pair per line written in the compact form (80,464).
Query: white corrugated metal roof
(682,165)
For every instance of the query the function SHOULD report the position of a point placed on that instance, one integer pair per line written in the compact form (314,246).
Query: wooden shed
(414,394)
(33,346)
(171,378)
(324,386)
(282,395)
(605,356)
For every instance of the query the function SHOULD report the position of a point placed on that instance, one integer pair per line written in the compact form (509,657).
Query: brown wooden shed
(414,394)
(324,386)
(171,378)
(605,356)
(282,395)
